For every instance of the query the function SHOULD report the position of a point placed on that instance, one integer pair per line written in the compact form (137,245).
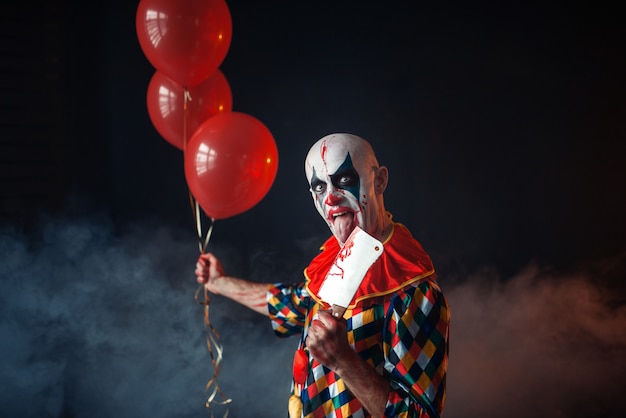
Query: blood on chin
(343,226)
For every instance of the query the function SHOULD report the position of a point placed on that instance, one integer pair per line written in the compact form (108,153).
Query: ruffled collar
(402,263)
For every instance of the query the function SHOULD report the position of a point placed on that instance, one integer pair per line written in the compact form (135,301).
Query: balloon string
(216,350)
(213,343)
(186,100)
(195,208)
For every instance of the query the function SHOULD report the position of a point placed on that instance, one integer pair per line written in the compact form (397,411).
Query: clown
(387,357)
(347,185)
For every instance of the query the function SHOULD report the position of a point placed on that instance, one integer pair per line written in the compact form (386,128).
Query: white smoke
(99,325)
(98,322)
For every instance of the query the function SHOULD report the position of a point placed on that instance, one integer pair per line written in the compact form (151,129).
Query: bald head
(347,184)
(332,150)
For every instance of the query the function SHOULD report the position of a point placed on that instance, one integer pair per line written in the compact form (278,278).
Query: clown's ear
(381,178)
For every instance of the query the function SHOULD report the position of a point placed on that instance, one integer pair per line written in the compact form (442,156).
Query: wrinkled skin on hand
(327,341)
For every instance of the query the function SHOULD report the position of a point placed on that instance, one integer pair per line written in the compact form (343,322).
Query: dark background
(502,125)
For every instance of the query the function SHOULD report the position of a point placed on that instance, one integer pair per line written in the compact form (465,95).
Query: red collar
(403,262)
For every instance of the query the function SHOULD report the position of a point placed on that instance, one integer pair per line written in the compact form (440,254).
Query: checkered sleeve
(415,344)
(287,308)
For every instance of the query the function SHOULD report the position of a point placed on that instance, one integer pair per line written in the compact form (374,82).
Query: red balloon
(187,40)
(166,101)
(230,164)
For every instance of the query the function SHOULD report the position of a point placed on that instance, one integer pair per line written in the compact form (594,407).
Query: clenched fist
(208,270)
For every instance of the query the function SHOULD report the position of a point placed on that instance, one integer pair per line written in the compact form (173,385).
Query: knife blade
(358,254)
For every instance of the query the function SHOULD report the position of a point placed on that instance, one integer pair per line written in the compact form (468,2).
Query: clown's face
(342,172)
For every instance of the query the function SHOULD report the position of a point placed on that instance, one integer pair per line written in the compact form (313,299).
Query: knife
(344,277)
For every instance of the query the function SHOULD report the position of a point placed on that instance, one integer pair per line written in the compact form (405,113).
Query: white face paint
(341,169)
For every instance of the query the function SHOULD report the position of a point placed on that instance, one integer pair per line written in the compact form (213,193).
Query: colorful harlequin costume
(398,323)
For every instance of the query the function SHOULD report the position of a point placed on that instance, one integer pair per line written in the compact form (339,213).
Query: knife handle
(337,311)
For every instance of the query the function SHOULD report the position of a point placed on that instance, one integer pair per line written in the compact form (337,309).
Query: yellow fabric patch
(429,349)
(295,406)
